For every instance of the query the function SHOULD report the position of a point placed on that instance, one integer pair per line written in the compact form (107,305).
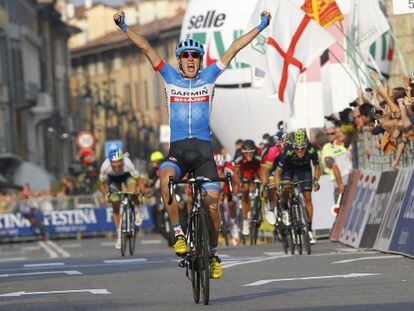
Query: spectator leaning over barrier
(330,151)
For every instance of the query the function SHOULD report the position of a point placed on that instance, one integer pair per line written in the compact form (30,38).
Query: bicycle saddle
(192,157)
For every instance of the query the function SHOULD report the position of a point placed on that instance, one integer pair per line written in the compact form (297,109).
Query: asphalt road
(90,274)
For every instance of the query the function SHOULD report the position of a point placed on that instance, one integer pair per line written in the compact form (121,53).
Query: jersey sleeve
(282,161)
(130,168)
(271,155)
(313,155)
(212,72)
(103,172)
(167,72)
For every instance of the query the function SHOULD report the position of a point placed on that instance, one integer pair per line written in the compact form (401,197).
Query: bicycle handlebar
(198,180)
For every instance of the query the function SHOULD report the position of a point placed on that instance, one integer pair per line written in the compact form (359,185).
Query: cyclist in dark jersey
(189,94)
(296,164)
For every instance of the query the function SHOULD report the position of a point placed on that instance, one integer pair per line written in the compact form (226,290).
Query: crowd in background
(380,120)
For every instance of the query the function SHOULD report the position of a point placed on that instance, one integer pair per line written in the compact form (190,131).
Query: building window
(146,91)
(136,95)
(155,92)
(127,94)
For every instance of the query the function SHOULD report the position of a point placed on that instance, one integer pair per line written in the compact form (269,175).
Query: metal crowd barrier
(378,160)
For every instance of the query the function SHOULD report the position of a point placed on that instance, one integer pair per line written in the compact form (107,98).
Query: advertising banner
(392,209)
(83,220)
(323,217)
(346,202)
(402,240)
(377,208)
(358,211)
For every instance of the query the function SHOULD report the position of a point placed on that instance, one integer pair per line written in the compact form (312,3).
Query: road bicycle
(297,219)
(197,260)
(129,230)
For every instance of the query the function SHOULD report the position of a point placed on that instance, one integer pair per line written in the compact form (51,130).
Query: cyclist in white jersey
(116,170)
(189,95)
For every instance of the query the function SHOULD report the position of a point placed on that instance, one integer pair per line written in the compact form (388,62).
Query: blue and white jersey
(189,101)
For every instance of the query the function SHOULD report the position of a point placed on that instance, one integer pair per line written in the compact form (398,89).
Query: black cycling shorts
(115,182)
(205,167)
(296,173)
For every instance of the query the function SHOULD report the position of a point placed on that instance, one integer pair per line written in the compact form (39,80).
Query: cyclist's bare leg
(286,194)
(133,187)
(245,200)
(172,209)
(232,208)
(307,196)
(211,200)
(117,216)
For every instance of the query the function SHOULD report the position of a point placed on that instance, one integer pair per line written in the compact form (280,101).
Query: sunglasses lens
(192,54)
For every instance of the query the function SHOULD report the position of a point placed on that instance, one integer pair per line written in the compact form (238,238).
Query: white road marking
(257,259)
(151,242)
(108,244)
(59,249)
(117,261)
(273,253)
(46,264)
(30,248)
(324,277)
(71,291)
(69,272)
(48,249)
(347,250)
(72,245)
(12,259)
(367,258)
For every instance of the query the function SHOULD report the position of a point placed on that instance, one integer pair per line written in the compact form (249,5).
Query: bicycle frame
(197,260)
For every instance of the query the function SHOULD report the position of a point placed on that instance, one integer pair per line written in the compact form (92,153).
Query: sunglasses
(187,54)
(248,152)
(330,134)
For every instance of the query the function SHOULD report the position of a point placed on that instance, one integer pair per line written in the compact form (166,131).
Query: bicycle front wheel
(204,256)
(132,235)
(194,260)
(124,230)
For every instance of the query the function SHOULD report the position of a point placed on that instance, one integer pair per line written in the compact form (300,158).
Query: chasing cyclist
(247,168)
(295,164)
(115,171)
(189,94)
(270,159)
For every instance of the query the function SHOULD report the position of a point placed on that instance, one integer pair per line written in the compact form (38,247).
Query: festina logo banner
(216,24)
(324,12)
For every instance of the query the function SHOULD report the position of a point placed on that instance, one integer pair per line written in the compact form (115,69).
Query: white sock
(178,230)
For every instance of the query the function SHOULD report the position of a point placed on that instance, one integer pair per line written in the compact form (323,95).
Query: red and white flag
(294,42)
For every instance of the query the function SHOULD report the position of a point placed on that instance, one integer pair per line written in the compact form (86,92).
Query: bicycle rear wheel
(124,230)
(255,221)
(204,256)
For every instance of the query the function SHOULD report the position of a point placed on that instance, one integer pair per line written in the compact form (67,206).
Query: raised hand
(119,19)
(265,20)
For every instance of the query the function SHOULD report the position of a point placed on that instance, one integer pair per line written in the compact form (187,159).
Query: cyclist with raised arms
(189,94)
(295,164)
(116,170)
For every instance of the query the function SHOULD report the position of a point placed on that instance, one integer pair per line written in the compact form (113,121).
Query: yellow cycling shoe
(216,271)
(180,246)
